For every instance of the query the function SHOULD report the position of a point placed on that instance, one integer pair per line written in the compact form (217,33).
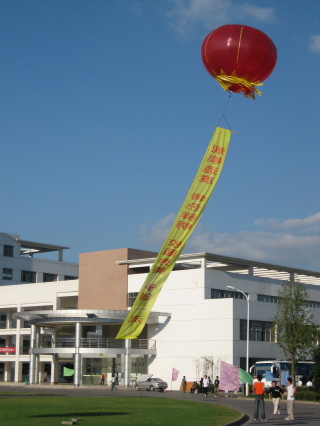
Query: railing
(95,343)
(102,343)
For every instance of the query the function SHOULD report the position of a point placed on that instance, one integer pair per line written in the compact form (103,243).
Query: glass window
(131,298)
(49,277)
(259,331)
(70,277)
(225,294)
(7,274)
(8,250)
(28,276)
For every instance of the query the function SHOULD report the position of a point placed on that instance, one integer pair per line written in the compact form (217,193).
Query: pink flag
(175,374)
(229,377)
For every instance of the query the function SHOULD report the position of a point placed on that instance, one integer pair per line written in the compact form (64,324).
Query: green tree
(295,330)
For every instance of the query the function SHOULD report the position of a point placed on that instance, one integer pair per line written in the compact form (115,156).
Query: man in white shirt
(291,390)
(205,385)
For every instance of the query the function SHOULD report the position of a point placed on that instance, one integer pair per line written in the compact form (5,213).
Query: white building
(196,322)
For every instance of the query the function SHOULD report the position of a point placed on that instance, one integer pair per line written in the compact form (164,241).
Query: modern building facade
(65,327)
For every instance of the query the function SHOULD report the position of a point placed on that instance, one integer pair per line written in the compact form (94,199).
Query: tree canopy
(295,331)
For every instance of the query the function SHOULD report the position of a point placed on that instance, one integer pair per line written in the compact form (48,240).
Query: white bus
(278,369)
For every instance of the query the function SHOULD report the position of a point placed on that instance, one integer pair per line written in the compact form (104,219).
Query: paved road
(305,413)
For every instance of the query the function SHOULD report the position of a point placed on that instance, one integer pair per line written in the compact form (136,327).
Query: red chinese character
(165,261)
(218,150)
(151,287)
(206,179)
(145,296)
(189,216)
(135,318)
(174,243)
(213,159)
(184,225)
(160,270)
(193,206)
(169,252)
(197,196)
(210,170)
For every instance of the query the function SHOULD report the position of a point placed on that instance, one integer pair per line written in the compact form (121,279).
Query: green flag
(67,372)
(245,377)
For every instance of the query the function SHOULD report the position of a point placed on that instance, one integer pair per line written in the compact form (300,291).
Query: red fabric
(259,388)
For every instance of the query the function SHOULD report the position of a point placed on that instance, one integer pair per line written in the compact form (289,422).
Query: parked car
(147,382)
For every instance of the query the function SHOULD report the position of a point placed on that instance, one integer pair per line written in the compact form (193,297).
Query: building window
(276,299)
(266,298)
(28,276)
(49,277)
(259,331)
(8,250)
(131,298)
(70,277)
(225,294)
(7,274)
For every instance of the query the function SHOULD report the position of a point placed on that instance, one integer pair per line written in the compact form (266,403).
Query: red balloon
(239,57)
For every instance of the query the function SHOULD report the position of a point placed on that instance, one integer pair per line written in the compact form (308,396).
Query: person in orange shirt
(259,391)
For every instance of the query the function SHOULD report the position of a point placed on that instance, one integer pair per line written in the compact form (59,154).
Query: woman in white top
(291,390)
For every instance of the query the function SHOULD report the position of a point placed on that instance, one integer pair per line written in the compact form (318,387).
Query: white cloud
(186,15)
(305,225)
(281,244)
(315,43)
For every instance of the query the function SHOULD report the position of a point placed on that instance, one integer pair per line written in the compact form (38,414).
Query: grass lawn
(46,411)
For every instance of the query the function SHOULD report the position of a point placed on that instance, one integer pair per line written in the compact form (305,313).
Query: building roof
(237,266)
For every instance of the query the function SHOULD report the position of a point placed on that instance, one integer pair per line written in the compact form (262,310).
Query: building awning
(48,317)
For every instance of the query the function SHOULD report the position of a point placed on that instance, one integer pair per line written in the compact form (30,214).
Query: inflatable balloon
(239,58)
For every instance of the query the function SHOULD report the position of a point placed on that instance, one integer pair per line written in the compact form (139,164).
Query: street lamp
(248,316)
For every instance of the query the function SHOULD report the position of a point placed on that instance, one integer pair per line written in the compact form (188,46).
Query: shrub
(307,394)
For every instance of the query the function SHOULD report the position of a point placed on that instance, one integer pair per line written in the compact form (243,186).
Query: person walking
(113,382)
(276,392)
(259,391)
(291,390)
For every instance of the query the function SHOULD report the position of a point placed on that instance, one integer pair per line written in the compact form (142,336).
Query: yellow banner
(183,226)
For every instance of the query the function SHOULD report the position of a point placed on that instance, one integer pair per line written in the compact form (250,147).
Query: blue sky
(106,112)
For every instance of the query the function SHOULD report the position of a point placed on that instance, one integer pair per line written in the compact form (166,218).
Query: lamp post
(248,324)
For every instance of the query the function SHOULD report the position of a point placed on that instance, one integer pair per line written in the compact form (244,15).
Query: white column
(7,371)
(54,369)
(37,357)
(127,363)
(77,355)
(32,356)
(9,319)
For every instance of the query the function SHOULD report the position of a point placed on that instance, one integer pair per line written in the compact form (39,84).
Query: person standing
(276,392)
(259,391)
(205,385)
(102,379)
(291,390)
(201,385)
(184,384)
(216,387)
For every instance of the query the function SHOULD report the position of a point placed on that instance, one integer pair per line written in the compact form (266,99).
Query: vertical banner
(183,226)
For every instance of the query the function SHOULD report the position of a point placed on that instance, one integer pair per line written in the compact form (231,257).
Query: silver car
(150,383)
